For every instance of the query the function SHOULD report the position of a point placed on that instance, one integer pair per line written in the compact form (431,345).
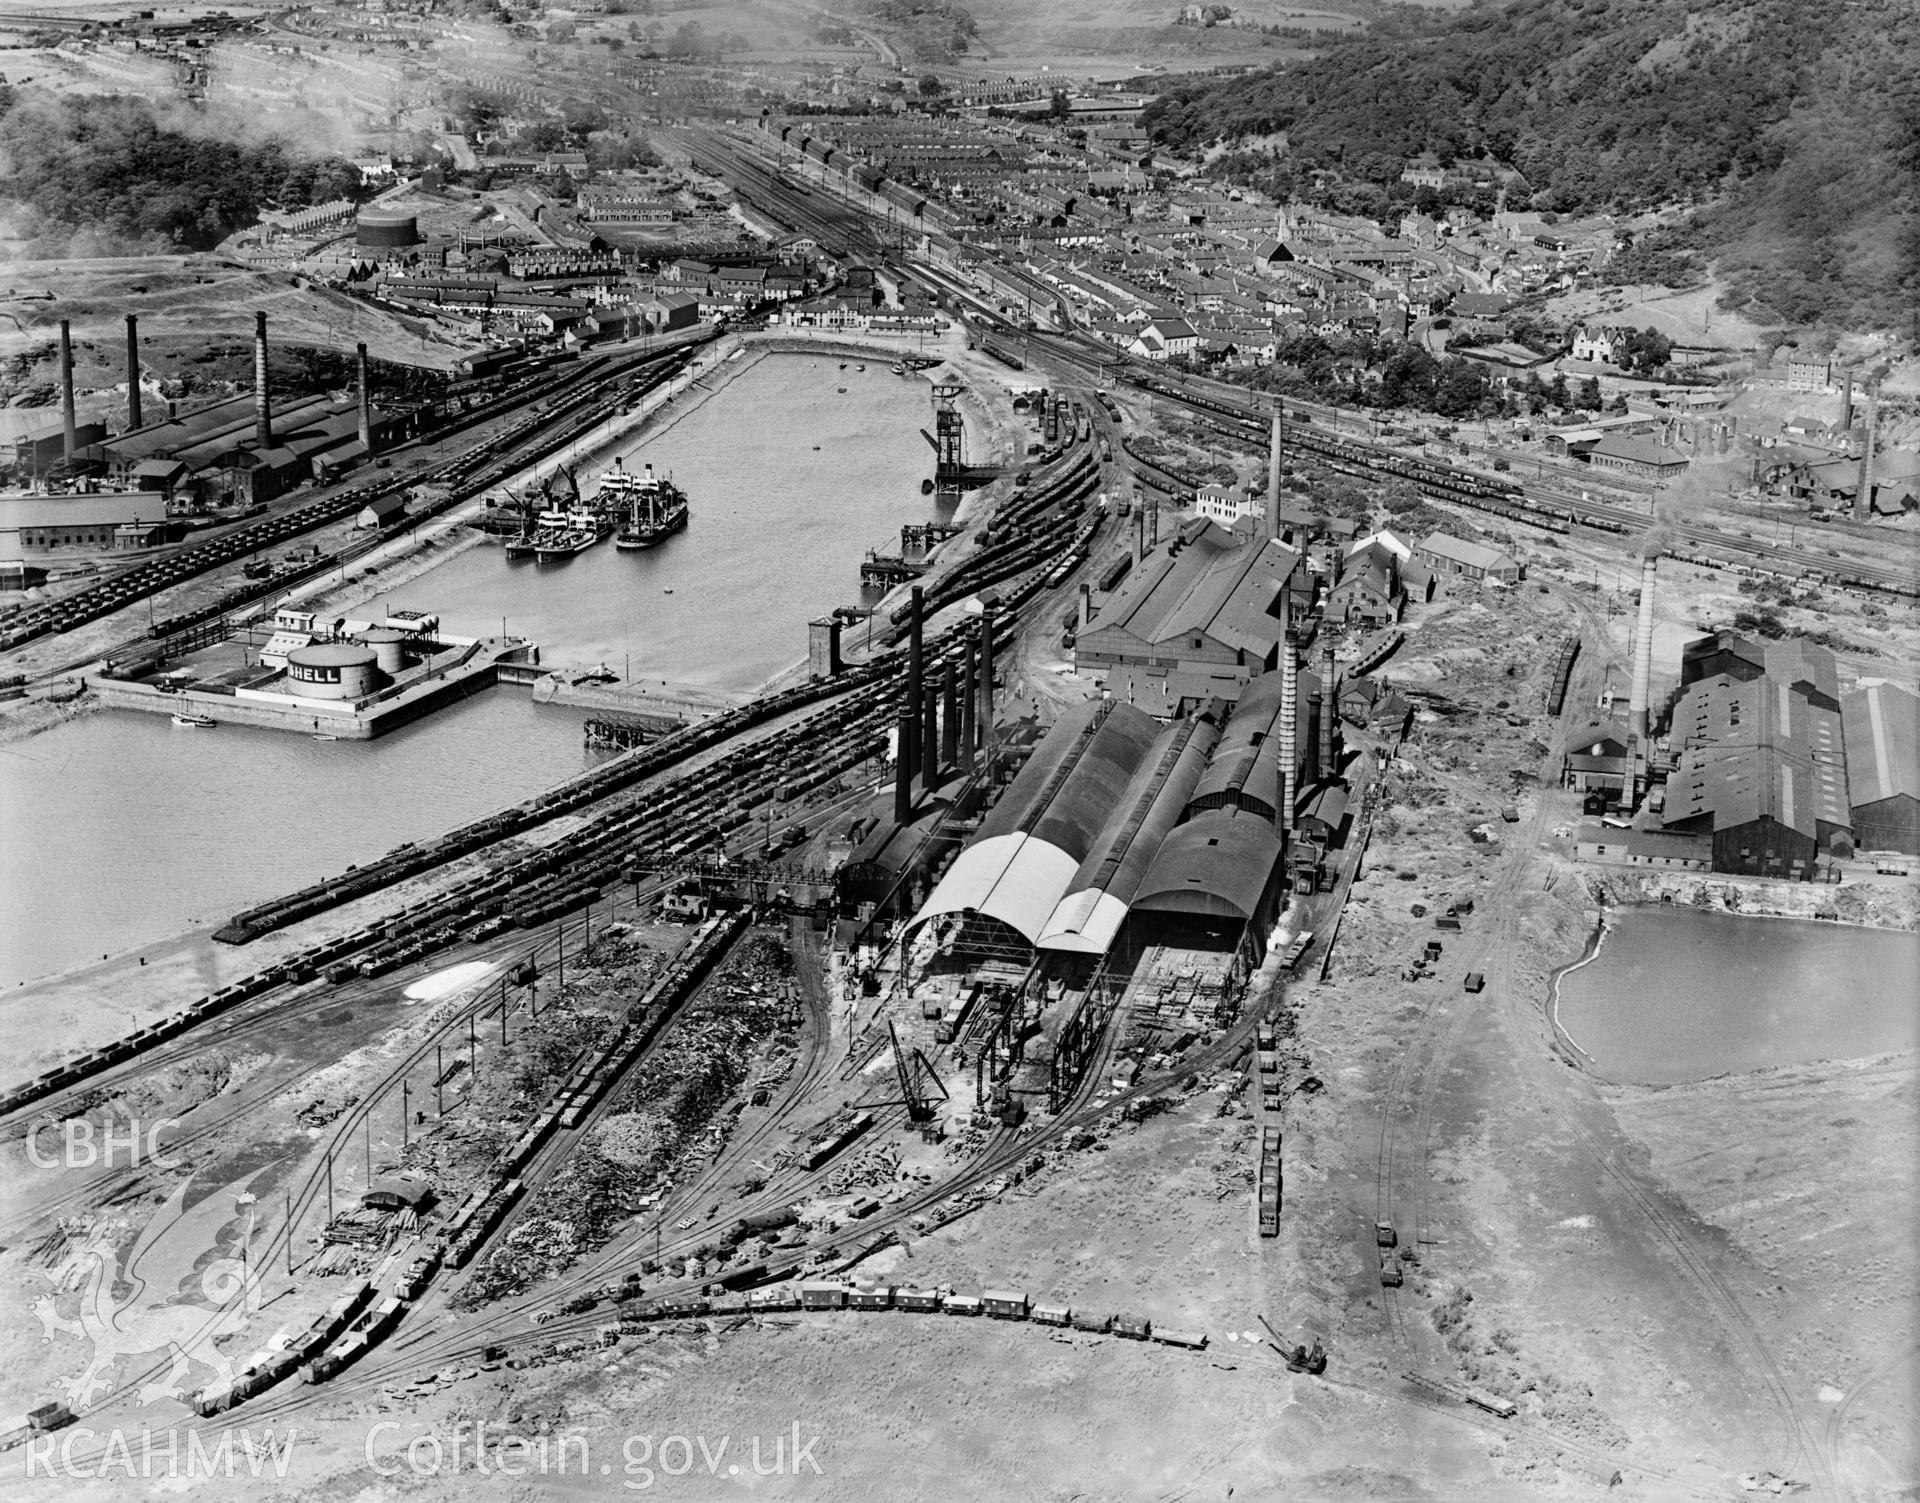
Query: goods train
(993,1304)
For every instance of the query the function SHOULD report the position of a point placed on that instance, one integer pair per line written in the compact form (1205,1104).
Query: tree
(1058,104)
(1589,399)
(930,86)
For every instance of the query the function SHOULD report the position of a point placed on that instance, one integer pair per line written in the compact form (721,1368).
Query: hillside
(105,176)
(1794,126)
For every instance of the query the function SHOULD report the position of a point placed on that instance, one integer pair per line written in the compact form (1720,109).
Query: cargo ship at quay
(655,508)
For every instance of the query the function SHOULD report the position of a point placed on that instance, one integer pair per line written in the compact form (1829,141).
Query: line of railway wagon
(994,1304)
(357,1321)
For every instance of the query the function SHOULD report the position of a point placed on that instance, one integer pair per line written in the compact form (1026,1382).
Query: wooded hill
(105,176)
(1793,124)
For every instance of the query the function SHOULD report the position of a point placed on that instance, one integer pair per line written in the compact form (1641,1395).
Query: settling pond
(1679,994)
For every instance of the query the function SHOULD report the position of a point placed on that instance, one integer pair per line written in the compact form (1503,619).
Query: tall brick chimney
(72,435)
(366,399)
(133,372)
(262,405)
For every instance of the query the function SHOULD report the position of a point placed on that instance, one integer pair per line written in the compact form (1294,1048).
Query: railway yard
(651,1107)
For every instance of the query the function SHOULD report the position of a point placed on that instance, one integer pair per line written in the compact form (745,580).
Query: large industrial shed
(1882,725)
(1031,844)
(1210,604)
(1762,771)
(1116,820)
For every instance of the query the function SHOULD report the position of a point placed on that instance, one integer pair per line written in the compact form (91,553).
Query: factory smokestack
(1316,717)
(1139,533)
(986,682)
(133,372)
(949,718)
(1863,481)
(966,707)
(909,750)
(366,399)
(1329,710)
(969,700)
(1643,654)
(902,768)
(72,434)
(1273,477)
(1846,404)
(930,740)
(1086,605)
(1289,731)
(262,406)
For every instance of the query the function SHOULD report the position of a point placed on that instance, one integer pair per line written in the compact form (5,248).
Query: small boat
(899,369)
(843,365)
(859,367)
(198,722)
(843,391)
(323,736)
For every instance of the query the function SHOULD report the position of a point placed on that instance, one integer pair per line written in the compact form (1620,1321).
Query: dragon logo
(187,1282)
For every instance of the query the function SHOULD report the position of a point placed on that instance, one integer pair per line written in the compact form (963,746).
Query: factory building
(1761,765)
(1882,727)
(247,450)
(1208,608)
(1167,833)
(1452,557)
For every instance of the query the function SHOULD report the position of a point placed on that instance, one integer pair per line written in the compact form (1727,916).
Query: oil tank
(389,649)
(333,670)
(386,229)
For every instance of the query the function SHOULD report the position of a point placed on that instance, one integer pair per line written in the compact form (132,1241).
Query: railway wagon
(880,1297)
(1005,1304)
(922,1301)
(1051,1315)
(1192,1340)
(745,1278)
(823,1296)
(1133,1327)
(1492,1403)
(962,1304)
(780,1298)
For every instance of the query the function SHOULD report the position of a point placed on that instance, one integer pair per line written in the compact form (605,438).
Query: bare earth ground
(1680,1285)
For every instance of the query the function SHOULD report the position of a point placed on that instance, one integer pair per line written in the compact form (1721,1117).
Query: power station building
(1882,725)
(1206,610)
(1760,759)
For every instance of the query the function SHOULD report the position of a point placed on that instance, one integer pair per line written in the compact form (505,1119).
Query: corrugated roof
(1034,839)
(1882,725)
(1089,916)
(1217,863)
(1473,555)
(1757,749)
(1206,582)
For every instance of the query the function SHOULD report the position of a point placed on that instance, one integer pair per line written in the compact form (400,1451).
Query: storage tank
(389,649)
(386,229)
(333,670)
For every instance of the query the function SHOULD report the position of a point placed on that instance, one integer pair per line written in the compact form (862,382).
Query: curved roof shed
(1217,864)
(1087,919)
(1034,839)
